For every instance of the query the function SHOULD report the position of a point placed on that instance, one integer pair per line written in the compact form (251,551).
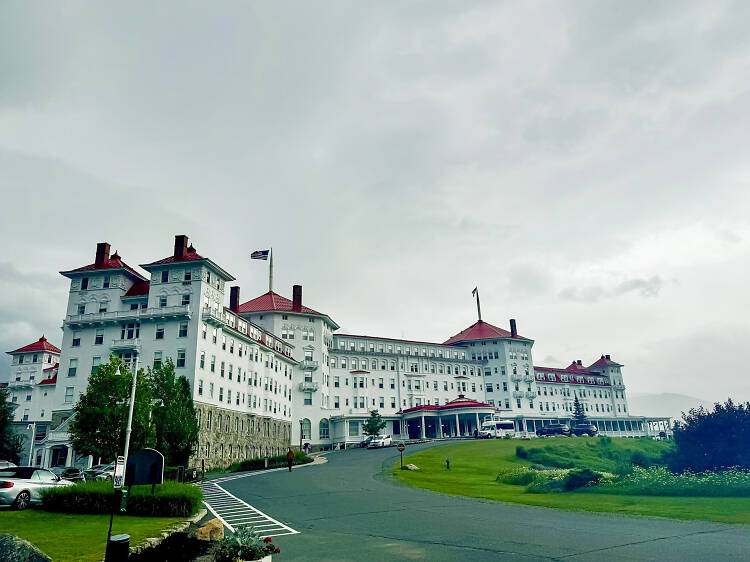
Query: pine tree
(579,416)
(175,421)
(374,423)
(11,443)
(101,413)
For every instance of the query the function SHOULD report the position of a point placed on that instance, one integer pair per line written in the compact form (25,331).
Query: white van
(497,428)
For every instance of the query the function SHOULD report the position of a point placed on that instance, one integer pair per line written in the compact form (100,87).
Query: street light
(32,427)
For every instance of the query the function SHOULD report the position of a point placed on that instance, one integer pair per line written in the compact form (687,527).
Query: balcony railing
(16,384)
(308,386)
(528,378)
(211,315)
(518,394)
(133,343)
(126,315)
(308,365)
(516,377)
(530,394)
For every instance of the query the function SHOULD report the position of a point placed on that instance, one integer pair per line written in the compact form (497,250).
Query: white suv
(380,441)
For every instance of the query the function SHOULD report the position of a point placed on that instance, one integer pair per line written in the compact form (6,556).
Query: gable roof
(114,262)
(270,301)
(139,289)
(604,361)
(40,345)
(190,255)
(460,402)
(481,330)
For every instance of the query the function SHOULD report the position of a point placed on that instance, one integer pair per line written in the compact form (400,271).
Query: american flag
(259,255)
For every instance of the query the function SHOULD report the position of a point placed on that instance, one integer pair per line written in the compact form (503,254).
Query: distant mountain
(665,404)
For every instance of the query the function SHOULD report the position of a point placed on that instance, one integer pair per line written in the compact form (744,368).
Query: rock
(15,549)
(412,467)
(213,530)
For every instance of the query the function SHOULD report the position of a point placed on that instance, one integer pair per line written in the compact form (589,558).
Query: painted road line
(235,513)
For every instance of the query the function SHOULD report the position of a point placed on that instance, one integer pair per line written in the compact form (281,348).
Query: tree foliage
(713,439)
(374,423)
(101,413)
(174,419)
(579,416)
(10,442)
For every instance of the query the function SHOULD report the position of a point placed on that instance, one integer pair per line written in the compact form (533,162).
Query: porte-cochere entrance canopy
(460,417)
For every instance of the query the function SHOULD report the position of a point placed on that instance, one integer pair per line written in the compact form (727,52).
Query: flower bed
(659,481)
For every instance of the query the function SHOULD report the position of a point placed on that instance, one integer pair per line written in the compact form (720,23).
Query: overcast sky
(585,164)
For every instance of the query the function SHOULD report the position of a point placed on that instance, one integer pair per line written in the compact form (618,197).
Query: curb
(178,528)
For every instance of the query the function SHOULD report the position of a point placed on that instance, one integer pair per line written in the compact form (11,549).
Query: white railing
(12,384)
(123,315)
(518,394)
(211,314)
(516,377)
(308,365)
(308,386)
(132,343)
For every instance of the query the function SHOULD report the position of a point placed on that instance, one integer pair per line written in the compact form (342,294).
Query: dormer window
(165,276)
(105,283)
(84,283)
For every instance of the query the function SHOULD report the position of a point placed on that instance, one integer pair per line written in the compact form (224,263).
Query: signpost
(401,448)
(117,482)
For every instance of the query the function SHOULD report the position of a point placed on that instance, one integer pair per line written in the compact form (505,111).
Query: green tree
(712,439)
(11,443)
(374,423)
(579,416)
(175,421)
(101,413)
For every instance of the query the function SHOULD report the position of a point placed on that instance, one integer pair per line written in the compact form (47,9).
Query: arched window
(305,428)
(323,429)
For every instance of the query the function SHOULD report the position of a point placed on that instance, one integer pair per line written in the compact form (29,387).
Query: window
(99,337)
(188,275)
(213,363)
(105,284)
(185,300)
(183,330)
(308,399)
(353,429)
(335,401)
(72,367)
(76,340)
(157,359)
(102,308)
(84,283)
(81,309)
(69,394)
(323,429)
(160,331)
(200,388)
(221,394)
(95,362)
(305,428)
(165,276)
(130,331)
(162,302)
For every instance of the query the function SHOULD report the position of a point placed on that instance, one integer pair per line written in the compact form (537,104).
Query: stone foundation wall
(227,436)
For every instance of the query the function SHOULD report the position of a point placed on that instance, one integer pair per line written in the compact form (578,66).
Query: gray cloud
(643,287)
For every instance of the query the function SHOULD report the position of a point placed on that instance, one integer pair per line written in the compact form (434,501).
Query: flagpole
(270,270)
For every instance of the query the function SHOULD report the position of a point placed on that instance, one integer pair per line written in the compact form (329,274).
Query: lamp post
(130,409)
(32,427)
(300,435)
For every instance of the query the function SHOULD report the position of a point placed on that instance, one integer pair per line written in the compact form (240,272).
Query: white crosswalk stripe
(236,514)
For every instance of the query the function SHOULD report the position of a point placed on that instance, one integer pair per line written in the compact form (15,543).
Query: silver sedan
(22,485)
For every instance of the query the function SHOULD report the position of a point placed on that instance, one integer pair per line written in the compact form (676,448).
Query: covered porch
(461,417)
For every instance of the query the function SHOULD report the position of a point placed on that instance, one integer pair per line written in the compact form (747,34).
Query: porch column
(477,416)
(422,427)
(440,427)
(69,457)
(458,427)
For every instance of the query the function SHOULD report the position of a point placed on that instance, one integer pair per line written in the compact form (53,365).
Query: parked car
(554,429)
(7,464)
(57,470)
(587,429)
(380,441)
(21,486)
(366,442)
(73,474)
(101,472)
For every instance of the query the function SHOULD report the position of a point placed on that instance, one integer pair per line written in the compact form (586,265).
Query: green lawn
(76,538)
(476,464)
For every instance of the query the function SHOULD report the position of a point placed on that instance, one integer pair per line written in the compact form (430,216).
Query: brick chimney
(579,362)
(234,299)
(297,298)
(607,356)
(102,253)
(180,246)
(513,331)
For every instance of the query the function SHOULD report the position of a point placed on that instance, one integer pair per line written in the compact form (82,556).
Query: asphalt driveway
(346,510)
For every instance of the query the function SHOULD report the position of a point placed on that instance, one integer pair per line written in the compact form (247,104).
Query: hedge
(170,499)
(273,462)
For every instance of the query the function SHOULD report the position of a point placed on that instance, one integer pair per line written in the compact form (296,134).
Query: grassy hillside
(475,466)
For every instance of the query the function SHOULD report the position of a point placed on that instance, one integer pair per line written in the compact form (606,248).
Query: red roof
(358,372)
(481,330)
(114,262)
(272,301)
(139,288)
(41,345)
(604,361)
(460,402)
(190,255)
(53,378)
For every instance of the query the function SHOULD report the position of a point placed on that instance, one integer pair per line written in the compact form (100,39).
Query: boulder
(213,530)
(15,549)
(412,467)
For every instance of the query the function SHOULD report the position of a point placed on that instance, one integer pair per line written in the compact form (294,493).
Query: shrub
(659,481)
(579,478)
(273,462)
(244,544)
(547,481)
(170,499)
(517,477)
(639,458)
(521,452)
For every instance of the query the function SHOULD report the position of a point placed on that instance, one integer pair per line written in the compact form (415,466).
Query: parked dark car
(366,442)
(74,475)
(553,429)
(588,429)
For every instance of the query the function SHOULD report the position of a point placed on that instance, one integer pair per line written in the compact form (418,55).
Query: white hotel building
(272,372)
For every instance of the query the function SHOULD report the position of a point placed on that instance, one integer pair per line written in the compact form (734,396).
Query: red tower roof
(481,330)
(40,345)
(604,361)
(114,262)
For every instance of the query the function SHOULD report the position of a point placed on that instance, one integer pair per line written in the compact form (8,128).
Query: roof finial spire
(475,293)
